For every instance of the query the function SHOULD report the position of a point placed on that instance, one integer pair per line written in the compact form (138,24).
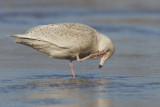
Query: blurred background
(130,78)
(101,4)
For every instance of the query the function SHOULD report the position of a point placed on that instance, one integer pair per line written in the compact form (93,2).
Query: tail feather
(20,36)
(25,40)
(38,45)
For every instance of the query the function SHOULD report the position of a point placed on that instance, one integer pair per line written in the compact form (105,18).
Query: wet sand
(130,78)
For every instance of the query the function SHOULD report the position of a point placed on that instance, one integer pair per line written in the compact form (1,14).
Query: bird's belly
(67,54)
(62,54)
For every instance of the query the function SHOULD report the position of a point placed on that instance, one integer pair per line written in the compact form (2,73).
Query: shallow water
(131,78)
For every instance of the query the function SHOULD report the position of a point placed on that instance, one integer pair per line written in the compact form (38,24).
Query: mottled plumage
(66,41)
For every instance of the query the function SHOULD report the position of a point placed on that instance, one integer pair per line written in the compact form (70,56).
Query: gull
(69,41)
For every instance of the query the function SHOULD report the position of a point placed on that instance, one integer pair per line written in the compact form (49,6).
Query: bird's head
(105,45)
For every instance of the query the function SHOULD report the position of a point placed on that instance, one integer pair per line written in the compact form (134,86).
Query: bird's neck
(100,41)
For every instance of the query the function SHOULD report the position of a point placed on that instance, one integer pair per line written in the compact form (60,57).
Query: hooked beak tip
(100,66)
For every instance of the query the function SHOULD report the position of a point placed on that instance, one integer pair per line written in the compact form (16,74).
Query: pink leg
(80,60)
(90,56)
(71,67)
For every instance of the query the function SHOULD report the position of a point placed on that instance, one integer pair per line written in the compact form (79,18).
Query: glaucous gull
(70,41)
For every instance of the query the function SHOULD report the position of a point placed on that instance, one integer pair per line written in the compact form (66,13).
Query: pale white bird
(70,41)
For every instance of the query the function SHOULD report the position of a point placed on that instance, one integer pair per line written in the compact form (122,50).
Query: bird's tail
(20,36)
(33,43)
(22,39)
(40,45)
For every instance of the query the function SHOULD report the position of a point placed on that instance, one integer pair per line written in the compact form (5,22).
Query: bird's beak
(100,66)
(101,62)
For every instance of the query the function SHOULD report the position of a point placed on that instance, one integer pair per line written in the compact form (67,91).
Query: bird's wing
(68,35)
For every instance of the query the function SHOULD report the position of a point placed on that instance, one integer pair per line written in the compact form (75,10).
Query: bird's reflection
(71,92)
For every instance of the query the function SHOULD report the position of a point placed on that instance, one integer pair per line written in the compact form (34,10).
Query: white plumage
(69,41)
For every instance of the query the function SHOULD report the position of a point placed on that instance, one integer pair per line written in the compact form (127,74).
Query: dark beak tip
(100,66)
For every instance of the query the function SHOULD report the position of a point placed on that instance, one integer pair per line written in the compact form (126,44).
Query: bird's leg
(71,67)
(79,60)
(95,55)
(101,53)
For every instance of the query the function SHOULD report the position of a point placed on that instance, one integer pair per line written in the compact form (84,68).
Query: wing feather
(68,35)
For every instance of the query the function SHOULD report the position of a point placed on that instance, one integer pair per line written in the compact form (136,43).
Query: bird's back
(67,35)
